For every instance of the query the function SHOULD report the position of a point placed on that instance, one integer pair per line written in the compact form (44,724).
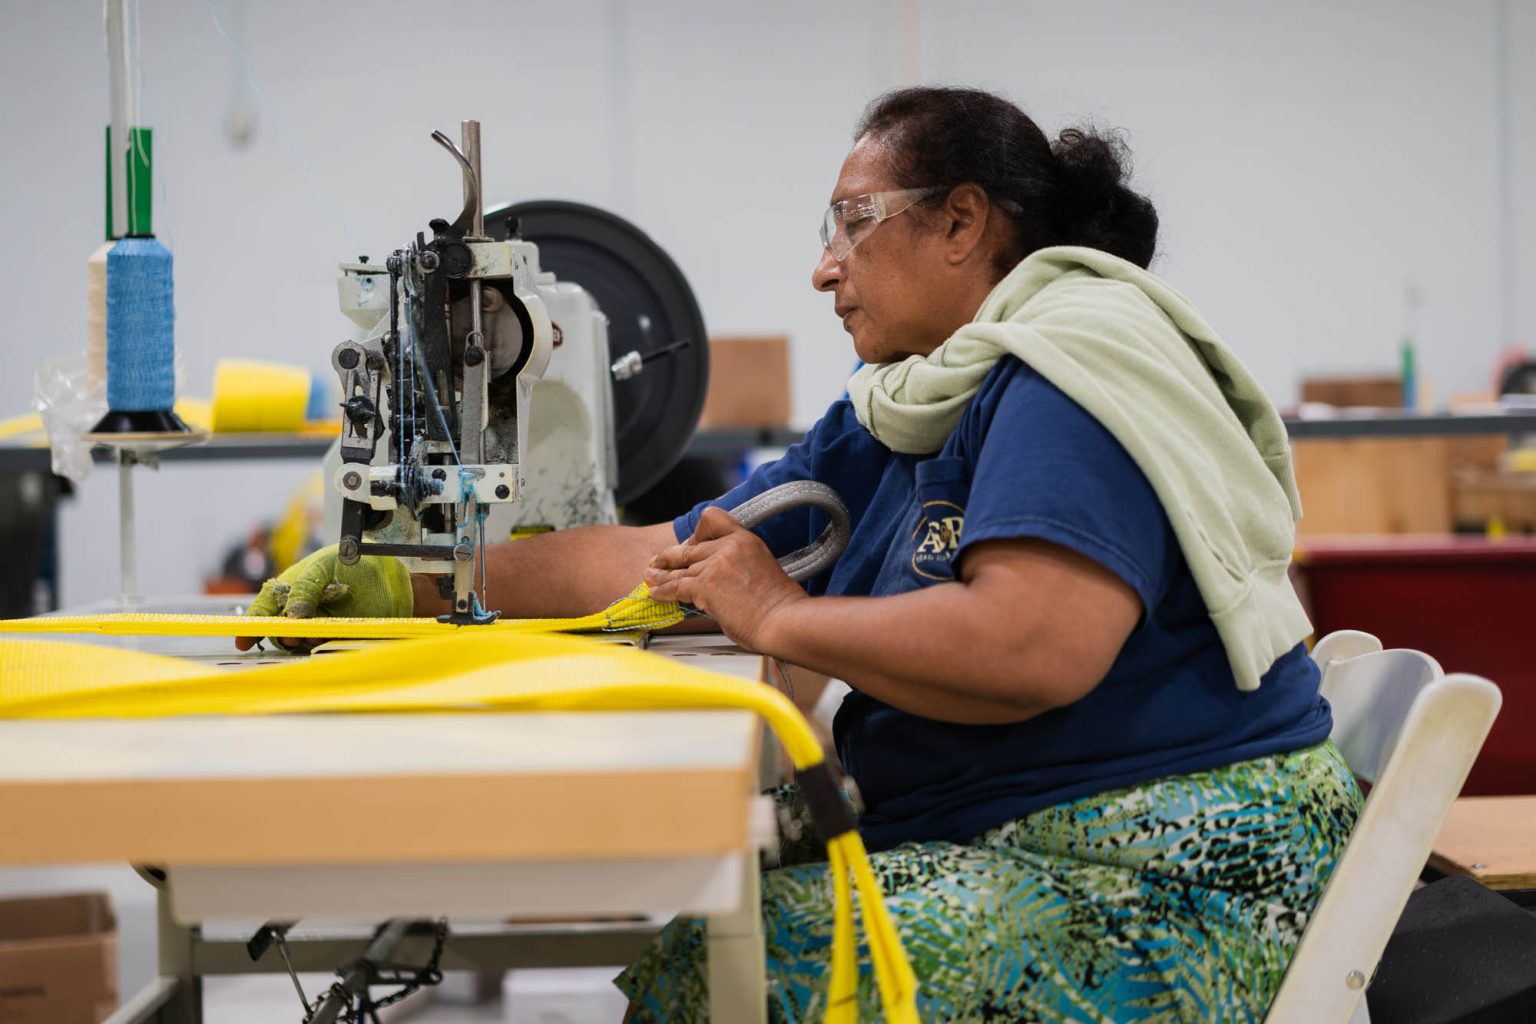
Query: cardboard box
(1382,392)
(58,959)
(748,383)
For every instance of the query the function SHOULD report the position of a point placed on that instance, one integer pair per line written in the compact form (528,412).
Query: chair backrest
(1413,732)
(1371,691)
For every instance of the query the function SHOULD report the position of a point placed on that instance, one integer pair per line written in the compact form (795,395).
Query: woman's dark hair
(1071,191)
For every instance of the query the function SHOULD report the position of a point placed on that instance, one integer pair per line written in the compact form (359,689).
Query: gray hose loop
(817,556)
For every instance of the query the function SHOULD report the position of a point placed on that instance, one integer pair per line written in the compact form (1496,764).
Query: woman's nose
(827,273)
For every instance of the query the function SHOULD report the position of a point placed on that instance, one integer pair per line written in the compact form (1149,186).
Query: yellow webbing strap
(635,611)
(473,669)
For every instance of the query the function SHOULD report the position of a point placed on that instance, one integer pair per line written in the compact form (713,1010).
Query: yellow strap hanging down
(472,669)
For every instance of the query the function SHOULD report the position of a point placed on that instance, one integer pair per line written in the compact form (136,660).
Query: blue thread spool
(141,353)
(141,316)
(140,309)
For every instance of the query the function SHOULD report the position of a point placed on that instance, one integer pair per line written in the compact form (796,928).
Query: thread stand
(133,449)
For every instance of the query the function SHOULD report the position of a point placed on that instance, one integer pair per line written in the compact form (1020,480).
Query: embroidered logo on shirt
(937,537)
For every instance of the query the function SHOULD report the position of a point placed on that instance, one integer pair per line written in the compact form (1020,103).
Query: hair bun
(1091,165)
(1097,209)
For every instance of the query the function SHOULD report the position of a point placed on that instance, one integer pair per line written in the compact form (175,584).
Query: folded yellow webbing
(475,669)
(470,669)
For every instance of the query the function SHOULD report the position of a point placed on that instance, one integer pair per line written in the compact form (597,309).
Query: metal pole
(125,461)
(735,954)
(120,77)
(476,377)
(469,133)
(176,944)
(1504,133)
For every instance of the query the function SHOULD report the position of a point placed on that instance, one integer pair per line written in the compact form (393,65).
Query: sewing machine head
(460,332)
(505,400)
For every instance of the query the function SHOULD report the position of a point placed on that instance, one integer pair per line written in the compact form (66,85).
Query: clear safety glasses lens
(850,221)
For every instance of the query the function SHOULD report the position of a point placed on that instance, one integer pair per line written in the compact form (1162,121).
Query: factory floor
(538,997)
(541,997)
(272,1000)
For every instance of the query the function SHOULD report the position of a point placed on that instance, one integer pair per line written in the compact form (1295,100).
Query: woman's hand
(728,573)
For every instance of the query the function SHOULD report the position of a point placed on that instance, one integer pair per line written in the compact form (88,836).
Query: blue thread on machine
(141,316)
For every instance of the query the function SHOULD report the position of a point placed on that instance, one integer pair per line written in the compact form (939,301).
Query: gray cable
(817,556)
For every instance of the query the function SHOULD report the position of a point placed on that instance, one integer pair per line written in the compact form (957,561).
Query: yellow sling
(635,611)
(506,667)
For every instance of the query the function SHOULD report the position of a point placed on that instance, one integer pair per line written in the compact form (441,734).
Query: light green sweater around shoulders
(1137,356)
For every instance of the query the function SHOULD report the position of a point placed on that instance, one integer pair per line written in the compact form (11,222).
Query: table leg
(176,945)
(176,996)
(736,956)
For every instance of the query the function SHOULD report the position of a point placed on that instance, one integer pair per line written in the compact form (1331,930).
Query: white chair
(1413,733)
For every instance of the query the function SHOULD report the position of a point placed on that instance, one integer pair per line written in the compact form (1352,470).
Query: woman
(1080,813)
(1088,737)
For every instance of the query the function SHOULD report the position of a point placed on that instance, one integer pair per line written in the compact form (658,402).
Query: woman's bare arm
(559,574)
(1028,627)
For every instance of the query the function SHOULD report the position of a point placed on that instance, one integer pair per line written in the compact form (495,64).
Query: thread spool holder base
(134,448)
(154,429)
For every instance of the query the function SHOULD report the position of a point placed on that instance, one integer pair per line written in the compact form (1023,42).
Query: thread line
(277,123)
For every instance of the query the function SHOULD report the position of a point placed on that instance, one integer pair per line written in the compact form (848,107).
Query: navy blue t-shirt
(1027,461)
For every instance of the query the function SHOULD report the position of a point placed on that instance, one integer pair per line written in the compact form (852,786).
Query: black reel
(651,310)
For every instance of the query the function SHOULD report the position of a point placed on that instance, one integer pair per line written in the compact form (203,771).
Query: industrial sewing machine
(490,396)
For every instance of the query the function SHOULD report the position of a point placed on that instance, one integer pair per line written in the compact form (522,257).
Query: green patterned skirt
(1180,899)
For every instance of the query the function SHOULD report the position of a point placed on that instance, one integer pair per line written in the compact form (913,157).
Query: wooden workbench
(351,817)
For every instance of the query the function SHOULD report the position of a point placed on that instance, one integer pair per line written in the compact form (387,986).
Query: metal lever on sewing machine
(631,363)
(469,221)
(360,385)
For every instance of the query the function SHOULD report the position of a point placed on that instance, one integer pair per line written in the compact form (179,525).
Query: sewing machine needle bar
(476,367)
(441,552)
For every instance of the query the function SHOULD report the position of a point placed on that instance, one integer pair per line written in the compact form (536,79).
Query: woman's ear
(965,218)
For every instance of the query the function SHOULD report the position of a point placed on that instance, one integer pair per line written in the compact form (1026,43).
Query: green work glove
(376,587)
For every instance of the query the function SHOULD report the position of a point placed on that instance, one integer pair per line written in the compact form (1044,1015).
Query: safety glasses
(850,221)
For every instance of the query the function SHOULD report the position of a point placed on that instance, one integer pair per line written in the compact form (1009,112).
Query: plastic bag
(71,403)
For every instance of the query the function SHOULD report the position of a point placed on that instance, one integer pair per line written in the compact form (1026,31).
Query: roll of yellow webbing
(250,395)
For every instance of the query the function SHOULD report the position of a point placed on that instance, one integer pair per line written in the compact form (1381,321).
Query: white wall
(1520,97)
(1306,158)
